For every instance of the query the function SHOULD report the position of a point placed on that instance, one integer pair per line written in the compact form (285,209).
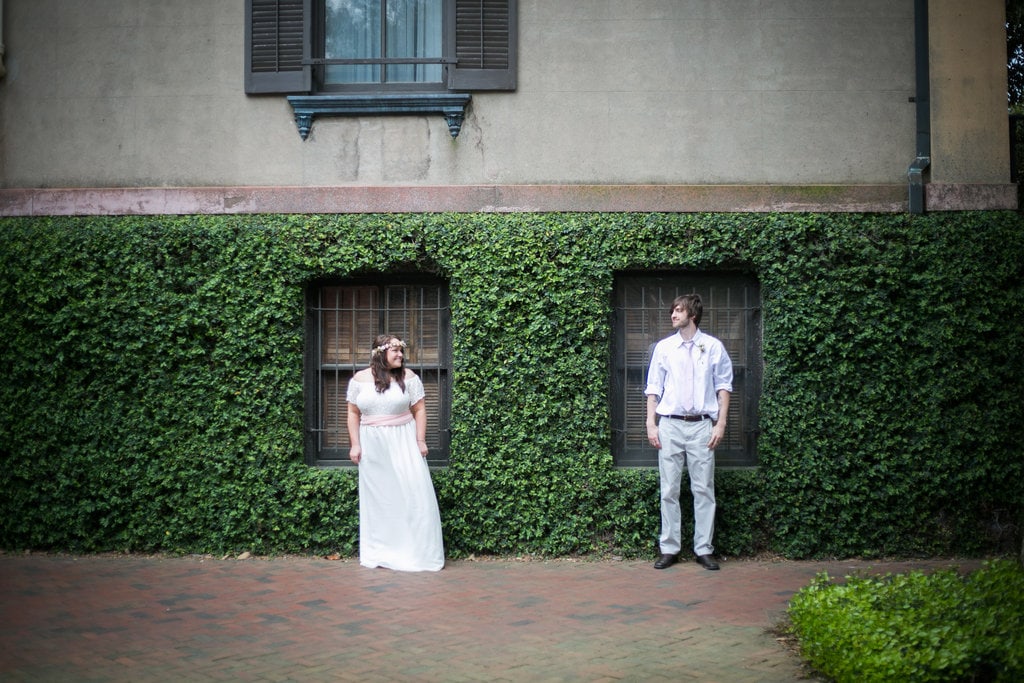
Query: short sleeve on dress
(353,391)
(414,387)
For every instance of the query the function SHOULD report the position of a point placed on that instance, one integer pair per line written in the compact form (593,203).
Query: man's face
(680,318)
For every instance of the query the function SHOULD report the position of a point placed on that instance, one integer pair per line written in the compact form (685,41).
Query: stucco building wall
(970,135)
(658,93)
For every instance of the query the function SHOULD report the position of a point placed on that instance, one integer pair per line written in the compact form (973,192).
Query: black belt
(690,418)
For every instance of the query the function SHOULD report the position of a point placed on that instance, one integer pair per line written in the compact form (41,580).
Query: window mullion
(321,410)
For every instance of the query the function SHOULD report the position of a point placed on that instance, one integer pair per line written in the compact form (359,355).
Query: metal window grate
(731,313)
(344,319)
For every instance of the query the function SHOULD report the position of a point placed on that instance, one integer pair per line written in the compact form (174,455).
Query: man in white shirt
(688,386)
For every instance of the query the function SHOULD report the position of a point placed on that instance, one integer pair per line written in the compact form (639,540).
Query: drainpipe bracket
(915,174)
(917,169)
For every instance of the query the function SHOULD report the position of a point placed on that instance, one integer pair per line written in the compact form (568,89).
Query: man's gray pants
(685,444)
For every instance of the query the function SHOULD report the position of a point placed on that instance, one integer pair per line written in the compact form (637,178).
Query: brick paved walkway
(101,618)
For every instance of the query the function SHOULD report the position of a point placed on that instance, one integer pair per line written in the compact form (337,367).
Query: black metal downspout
(922,98)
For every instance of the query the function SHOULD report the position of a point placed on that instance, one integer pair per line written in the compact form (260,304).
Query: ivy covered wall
(153,380)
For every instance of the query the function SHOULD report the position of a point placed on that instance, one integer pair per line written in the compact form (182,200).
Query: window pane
(334,431)
(432,384)
(414,30)
(347,314)
(352,30)
(731,313)
(378,29)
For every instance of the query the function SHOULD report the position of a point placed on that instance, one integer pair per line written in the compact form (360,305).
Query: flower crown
(393,344)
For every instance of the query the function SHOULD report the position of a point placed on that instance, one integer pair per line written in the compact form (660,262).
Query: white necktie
(689,380)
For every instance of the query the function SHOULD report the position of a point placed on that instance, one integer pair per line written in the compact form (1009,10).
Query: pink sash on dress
(386,420)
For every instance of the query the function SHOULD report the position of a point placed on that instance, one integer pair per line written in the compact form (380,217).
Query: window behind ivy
(342,320)
(732,312)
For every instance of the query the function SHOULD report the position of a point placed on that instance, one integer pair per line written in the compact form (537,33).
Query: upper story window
(732,312)
(381,43)
(347,57)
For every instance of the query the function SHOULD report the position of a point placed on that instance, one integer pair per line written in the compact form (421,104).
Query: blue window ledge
(451,106)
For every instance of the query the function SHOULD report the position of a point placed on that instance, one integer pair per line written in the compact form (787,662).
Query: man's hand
(717,434)
(652,435)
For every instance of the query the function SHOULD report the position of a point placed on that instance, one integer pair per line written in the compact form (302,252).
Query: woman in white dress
(399,521)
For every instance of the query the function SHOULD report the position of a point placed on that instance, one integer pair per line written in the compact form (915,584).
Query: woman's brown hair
(382,374)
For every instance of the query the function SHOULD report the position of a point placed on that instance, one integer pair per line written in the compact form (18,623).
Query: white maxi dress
(399,521)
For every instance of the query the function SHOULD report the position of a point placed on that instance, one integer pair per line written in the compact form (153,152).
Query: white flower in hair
(393,344)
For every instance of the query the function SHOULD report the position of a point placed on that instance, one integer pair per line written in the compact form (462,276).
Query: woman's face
(394,356)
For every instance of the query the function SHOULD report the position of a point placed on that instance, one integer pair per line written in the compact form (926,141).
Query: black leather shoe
(706,561)
(666,561)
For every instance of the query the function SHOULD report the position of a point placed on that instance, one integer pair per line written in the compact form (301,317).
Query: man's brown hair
(692,304)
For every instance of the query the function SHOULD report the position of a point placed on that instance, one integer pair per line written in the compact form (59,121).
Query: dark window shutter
(276,33)
(484,39)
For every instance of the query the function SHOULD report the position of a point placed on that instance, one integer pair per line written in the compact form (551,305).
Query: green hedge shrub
(153,380)
(915,627)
